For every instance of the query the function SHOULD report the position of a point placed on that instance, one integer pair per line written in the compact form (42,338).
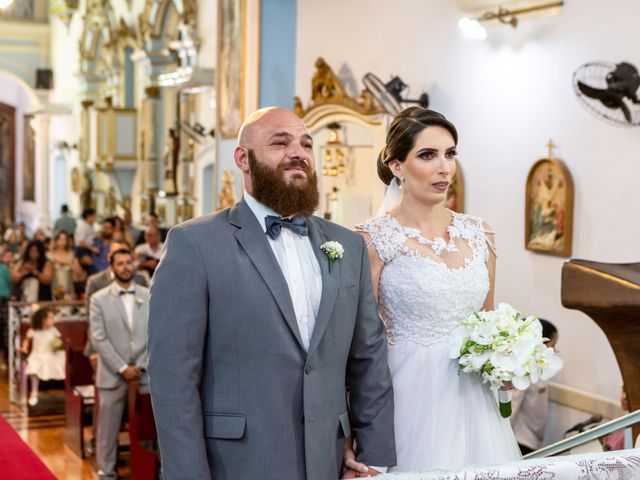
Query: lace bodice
(421,297)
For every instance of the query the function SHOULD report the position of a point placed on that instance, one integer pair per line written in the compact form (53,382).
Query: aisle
(17,460)
(44,435)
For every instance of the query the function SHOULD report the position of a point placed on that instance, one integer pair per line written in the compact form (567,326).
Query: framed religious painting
(455,194)
(29,161)
(230,66)
(7,162)
(549,208)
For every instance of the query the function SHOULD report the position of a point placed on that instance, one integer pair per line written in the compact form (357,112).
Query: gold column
(149,147)
(184,210)
(86,132)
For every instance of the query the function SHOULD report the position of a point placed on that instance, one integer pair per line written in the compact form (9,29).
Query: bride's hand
(351,468)
(507,386)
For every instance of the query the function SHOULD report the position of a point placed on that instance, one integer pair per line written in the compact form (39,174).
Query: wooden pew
(78,386)
(143,438)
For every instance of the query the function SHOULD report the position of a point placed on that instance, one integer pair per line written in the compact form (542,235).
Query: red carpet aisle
(17,460)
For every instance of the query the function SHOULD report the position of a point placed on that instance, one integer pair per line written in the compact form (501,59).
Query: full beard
(126,277)
(271,189)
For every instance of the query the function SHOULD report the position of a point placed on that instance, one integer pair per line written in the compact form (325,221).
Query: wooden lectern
(610,295)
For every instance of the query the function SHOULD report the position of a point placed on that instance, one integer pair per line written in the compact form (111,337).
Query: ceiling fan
(389,94)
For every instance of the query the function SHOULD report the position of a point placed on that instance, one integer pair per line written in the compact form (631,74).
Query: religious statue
(110,202)
(170,162)
(324,84)
(227,197)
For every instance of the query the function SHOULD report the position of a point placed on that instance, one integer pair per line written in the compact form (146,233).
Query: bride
(432,267)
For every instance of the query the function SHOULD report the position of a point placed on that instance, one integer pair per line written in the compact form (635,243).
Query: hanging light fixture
(473,28)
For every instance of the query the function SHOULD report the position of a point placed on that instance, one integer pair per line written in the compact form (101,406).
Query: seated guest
(148,254)
(530,406)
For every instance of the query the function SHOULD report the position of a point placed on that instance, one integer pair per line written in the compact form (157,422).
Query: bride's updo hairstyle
(401,137)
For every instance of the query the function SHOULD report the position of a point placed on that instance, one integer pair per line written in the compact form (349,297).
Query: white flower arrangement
(333,250)
(502,346)
(56,344)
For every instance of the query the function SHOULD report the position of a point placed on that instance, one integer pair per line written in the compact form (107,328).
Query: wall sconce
(66,147)
(473,28)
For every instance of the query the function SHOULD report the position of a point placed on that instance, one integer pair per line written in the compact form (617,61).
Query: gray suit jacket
(96,282)
(115,342)
(235,394)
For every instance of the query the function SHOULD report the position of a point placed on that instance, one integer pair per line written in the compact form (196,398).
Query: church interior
(131,109)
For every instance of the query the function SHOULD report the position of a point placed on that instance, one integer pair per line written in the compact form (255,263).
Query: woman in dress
(432,267)
(33,274)
(66,268)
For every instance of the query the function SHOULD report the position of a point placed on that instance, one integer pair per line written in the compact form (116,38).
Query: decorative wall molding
(326,89)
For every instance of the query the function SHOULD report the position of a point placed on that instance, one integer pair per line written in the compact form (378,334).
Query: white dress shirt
(128,301)
(300,268)
(84,233)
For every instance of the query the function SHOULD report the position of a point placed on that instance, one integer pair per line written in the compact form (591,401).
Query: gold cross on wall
(550,147)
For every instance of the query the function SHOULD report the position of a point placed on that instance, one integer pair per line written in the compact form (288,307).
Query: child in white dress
(47,358)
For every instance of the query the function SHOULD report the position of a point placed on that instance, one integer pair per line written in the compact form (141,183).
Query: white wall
(16,93)
(508,96)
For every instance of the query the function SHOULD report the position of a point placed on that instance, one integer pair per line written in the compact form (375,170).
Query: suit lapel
(329,283)
(115,296)
(255,244)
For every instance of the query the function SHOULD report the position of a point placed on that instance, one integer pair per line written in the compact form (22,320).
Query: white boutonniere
(139,302)
(333,251)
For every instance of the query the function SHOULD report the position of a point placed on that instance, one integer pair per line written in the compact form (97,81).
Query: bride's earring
(401,182)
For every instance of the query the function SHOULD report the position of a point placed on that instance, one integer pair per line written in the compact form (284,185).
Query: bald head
(257,121)
(275,138)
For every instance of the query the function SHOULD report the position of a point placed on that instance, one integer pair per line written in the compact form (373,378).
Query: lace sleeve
(489,235)
(382,237)
(478,233)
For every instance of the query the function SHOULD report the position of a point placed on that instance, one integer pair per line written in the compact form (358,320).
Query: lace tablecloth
(619,465)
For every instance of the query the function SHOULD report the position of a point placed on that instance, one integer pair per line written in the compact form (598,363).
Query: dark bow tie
(295,224)
(127,292)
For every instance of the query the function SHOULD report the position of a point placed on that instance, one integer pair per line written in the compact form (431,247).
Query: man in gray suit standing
(260,329)
(118,318)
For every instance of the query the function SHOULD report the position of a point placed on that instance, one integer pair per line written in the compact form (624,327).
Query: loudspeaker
(44,79)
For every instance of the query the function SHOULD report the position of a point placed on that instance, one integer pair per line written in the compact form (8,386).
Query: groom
(255,336)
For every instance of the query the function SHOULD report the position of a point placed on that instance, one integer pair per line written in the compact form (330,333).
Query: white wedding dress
(443,420)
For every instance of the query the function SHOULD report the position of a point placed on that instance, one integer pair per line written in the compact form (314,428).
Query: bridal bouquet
(502,346)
